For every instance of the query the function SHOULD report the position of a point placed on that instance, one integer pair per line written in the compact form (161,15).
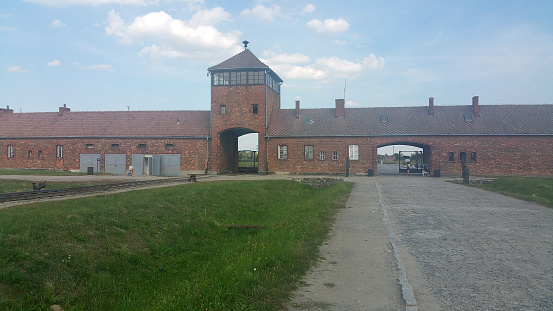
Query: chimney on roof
(340,108)
(6,110)
(431,106)
(297,109)
(64,109)
(475,105)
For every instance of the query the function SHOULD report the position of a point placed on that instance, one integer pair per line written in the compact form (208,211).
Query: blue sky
(154,54)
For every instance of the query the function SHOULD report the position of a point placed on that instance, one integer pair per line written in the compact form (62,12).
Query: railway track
(12,197)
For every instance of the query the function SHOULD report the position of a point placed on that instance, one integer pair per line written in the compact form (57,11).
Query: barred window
(11,151)
(59,151)
(309,152)
(283,152)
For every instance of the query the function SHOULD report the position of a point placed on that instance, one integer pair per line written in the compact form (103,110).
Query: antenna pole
(345,84)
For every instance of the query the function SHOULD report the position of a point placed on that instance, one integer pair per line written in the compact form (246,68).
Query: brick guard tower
(244,94)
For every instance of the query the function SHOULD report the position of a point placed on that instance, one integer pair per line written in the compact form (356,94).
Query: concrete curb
(406,288)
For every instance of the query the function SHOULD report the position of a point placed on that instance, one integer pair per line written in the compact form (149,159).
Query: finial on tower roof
(245,44)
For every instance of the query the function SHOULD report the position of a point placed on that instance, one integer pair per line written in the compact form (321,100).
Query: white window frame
(11,151)
(59,151)
(282,152)
(335,155)
(308,151)
(322,155)
(354,152)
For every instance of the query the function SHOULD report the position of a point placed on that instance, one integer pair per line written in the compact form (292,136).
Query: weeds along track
(15,198)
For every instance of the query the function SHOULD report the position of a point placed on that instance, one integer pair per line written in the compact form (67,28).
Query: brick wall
(238,102)
(192,151)
(495,155)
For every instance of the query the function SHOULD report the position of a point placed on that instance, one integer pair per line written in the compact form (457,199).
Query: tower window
(254,108)
(223,109)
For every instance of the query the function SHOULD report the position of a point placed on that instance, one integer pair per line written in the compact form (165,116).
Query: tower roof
(243,60)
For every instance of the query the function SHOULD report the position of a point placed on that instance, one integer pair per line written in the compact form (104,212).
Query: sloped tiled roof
(244,59)
(447,120)
(106,124)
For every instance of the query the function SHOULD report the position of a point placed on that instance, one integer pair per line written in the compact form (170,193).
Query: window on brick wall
(353,152)
(30,154)
(59,151)
(223,109)
(451,157)
(254,108)
(308,152)
(169,146)
(463,156)
(142,146)
(115,146)
(11,151)
(283,152)
(335,155)
(40,153)
(322,155)
(89,146)
(473,157)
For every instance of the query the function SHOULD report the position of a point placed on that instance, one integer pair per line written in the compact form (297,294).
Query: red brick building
(245,98)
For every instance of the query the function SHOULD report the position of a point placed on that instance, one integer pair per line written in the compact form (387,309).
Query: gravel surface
(463,248)
(475,249)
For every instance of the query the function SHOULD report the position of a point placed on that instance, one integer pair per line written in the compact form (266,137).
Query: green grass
(538,190)
(165,248)
(23,185)
(10,171)
(248,164)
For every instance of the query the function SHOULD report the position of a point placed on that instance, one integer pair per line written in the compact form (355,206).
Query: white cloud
(174,38)
(4,28)
(329,26)
(54,63)
(310,8)
(101,67)
(209,17)
(16,69)
(158,52)
(339,42)
(264,12)
(57,23)
(350,103)
(284,58)
(298,66)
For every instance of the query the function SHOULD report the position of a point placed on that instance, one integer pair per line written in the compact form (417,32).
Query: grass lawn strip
(533,189)
(166,248)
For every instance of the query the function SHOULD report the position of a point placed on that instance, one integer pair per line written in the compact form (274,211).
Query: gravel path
(462,248)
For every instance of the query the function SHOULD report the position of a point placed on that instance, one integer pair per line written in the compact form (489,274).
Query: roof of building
(447,120)
(106,124)
(243,60)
